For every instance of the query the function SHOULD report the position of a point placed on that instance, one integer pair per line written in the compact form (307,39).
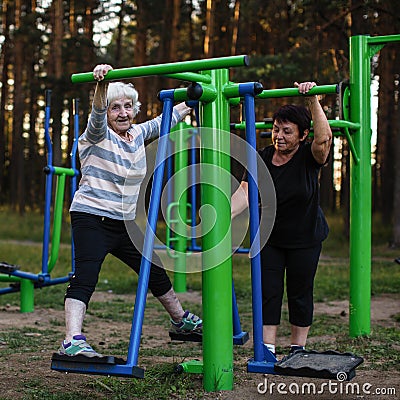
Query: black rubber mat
(186,337)
(328,364)
(88,360)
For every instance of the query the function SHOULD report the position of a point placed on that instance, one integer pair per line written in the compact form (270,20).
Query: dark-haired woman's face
(285,137)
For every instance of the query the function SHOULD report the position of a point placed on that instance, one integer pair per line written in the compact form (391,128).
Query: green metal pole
(360,189)
(180,136)
(217,272)
(27,295)
(164,69)
(294,92)
(57,222)
(9,278)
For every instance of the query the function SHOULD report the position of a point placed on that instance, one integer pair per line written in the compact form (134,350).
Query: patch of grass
(24,340)
(385,277)
(115,310)
(327,325)
(28,227)
(161,383)
(331,282)
(380,348)
(36,389)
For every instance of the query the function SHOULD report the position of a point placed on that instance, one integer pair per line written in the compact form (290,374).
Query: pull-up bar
(294,92)
(169,69)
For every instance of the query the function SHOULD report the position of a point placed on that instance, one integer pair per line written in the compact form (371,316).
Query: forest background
(43,42)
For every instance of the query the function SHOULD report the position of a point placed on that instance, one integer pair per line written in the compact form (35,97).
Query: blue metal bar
(170,172)
(74,179)
(28,275)
(193,192)
(49,185)
(9,290)
(74,145)
(261,354)
(254,223)
(239,337)
(167,97)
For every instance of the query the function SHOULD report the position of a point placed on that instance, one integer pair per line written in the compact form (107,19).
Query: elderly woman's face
(286,137)
(120,115)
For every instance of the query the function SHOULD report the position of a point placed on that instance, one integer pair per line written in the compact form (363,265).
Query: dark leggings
(94,238)
(300,266)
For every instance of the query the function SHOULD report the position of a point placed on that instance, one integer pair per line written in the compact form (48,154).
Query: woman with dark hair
(294,245)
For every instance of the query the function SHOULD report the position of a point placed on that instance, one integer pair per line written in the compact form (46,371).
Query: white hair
(118,90)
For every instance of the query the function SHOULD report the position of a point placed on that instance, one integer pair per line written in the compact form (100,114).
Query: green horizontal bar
(64,171)
(165,69)
(294,92)
(191,77)
(9,278)
(339,123)
(192,366)
(234,101)
(259,125)
(383,39)
(180,94)
(334,123)
(208,93)
(231,90)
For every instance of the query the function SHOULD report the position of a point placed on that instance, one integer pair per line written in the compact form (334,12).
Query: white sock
(74,315)
(270,347)
(296,345)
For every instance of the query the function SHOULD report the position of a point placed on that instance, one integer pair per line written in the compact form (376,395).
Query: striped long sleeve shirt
(113,169)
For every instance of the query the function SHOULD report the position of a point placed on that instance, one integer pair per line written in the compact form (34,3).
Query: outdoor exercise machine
(177,244)
(217,278)
(212,88)
(23,281)
(355,125)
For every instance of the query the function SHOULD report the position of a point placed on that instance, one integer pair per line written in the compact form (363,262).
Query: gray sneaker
(78,345)
(190,323)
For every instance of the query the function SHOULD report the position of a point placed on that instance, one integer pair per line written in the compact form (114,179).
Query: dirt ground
(19,369)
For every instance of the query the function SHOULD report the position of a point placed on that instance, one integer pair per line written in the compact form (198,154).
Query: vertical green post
(360,189)
(180,136)
(27,295)
(217,270)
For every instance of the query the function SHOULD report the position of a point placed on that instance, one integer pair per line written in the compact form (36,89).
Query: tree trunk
(118,42)
(208,48)
(17,155)
(235,27)
(4,62)
(57,73)
(395,61)
(385,146)
(140,56)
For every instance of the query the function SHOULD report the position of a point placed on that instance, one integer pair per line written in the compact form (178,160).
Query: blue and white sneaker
(190,323)
(78,346)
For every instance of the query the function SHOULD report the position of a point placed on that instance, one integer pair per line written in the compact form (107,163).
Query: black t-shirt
(299,220)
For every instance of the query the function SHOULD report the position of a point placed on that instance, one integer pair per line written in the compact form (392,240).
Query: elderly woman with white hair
(113,166)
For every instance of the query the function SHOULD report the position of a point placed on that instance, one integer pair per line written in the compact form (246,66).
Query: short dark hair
(298,115)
